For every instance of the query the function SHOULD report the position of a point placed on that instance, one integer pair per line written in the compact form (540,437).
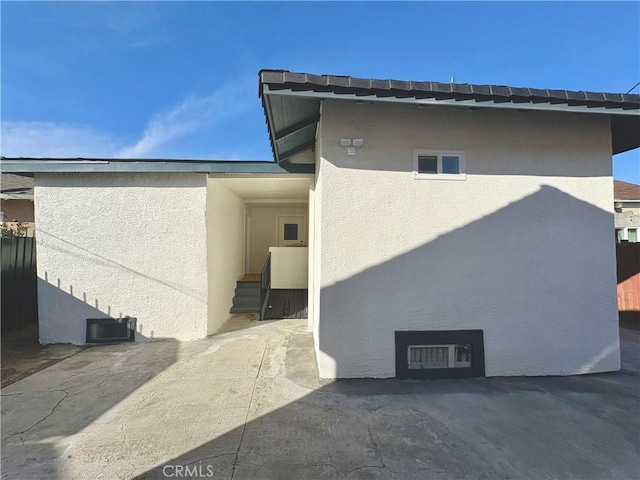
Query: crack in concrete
(331,465)
(378,453)
(66,394)
(210,458)
(96,385)
(372,466)
(123,444)
(246,418)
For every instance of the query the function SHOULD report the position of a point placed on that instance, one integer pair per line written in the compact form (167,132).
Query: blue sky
(179,79)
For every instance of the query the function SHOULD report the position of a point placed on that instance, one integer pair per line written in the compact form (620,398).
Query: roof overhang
(29,166)
(292,104)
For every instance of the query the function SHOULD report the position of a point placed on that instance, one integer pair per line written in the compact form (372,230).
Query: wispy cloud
(193,115)
(190,116)
(55,140)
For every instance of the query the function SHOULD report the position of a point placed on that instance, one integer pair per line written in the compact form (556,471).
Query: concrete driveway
(247,405)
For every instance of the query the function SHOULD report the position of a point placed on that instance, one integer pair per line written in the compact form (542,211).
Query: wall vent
(111,330)
(439,354)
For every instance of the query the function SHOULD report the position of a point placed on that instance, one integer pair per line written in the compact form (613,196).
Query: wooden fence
(628,263)
(19,283)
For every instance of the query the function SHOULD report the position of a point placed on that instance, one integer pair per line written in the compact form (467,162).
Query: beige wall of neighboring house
(122,245)
(22,210)
(225,250)
(495,251)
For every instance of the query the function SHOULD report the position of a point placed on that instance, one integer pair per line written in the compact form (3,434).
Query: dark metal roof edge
(70,165)
(333,84)
(139,160)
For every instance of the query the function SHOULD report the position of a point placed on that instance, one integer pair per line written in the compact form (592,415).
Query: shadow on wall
(85,255)
(77,305)
(501,273)
(104,376)
(58,329)
(628,263)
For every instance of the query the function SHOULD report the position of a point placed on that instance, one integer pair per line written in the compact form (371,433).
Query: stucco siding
(226,239)
(121,245)
(521,249)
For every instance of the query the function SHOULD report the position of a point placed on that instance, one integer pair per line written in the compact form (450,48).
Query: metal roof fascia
(57,166)
(542,106)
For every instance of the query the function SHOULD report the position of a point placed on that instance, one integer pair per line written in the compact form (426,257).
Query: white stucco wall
(121,245)
(225,244)
(522,249)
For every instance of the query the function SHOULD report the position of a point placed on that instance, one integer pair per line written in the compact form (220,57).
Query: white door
(292,230)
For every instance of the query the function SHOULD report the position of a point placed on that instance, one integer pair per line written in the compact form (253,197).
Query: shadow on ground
(525,428)
(22,354)
(247,404)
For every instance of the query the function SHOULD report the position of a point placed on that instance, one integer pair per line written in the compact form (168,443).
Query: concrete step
(247,298)
(244,310)
(247,292)
(248,302)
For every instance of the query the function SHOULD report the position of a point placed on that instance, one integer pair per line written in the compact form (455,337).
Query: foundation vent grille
(111,330)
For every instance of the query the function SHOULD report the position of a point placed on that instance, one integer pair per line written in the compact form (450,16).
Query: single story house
(16,201)
(437,221)
(626,199)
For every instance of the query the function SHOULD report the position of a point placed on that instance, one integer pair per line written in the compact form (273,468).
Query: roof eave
(68,165)
(458,102)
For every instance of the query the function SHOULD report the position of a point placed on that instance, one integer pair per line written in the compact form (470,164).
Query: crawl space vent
(439,354)
(111,330)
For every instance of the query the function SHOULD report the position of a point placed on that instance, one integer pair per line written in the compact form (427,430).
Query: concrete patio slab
(247,404)
(22,354)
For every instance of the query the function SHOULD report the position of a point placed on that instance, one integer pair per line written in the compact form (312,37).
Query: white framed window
(627,234)
(438,165)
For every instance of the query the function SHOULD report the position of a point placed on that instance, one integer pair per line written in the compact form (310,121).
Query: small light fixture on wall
(351,144)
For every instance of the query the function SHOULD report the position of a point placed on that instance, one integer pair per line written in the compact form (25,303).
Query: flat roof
(22,165)
(291,102)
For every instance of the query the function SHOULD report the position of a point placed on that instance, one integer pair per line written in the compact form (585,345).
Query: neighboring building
(439,222)
(626,197)
(16,200)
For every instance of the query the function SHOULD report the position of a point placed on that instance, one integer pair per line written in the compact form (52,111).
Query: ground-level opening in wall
(439,354)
